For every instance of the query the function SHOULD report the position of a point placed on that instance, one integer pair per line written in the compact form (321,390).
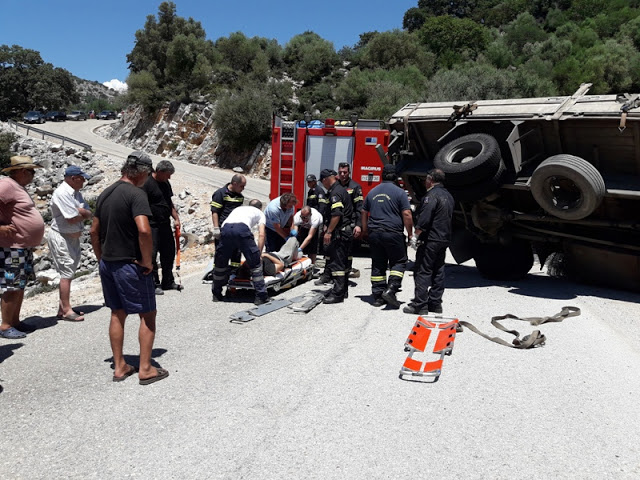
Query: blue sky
(92,38)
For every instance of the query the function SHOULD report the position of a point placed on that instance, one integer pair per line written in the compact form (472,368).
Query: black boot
(389,295)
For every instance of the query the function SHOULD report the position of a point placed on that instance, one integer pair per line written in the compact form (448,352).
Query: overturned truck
(534,176)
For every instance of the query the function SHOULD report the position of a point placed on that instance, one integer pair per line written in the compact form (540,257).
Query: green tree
(27,82)
(394,49)
(310,58)
(143,89)
(175,52)
(413,19)
(444,33)
(243,118)
(523,30)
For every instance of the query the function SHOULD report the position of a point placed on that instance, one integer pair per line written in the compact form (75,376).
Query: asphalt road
(83,132)
(317,395)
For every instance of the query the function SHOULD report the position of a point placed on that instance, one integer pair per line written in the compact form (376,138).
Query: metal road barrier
(29,128)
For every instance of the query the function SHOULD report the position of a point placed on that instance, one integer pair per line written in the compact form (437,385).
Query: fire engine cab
(300,148)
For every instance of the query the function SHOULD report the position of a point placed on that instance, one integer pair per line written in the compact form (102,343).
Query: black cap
(389,169)
(327,172)
(141,158)
(311,178)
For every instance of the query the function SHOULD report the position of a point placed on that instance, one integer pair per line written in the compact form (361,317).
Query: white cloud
(116,84)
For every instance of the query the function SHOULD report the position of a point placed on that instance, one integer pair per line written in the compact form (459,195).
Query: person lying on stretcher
(275,262)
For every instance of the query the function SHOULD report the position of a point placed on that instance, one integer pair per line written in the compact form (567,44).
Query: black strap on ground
(534,339)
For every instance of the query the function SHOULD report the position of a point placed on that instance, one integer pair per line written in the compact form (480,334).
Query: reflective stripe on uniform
(216,204)
(338,274)
(227,198)
(396,273)
(337,205)
(378,279)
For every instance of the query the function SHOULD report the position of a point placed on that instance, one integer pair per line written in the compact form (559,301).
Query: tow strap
(629,102)
(534,339)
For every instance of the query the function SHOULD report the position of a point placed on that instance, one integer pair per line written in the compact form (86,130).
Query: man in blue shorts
(122,241)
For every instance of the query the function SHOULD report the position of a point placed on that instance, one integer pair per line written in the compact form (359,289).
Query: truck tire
(567,187)
(504,262)
(469,159)
(477,191)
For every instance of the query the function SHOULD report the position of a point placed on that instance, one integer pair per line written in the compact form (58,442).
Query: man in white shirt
(237,234)
(69,211)
(308,222)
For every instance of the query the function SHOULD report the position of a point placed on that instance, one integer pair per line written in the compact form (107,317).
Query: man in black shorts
(121,239)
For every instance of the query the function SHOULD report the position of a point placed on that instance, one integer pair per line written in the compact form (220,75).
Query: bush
(243,118)
(6,144)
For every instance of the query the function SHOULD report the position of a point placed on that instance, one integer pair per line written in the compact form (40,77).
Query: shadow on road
(7,351)
(134,360)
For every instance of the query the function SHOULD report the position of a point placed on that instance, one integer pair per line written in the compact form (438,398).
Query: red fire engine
(307,147)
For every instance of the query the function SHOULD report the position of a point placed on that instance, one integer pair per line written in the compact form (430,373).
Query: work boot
(261,300)
(159,291)
(332,299)
(379,302)
(389,296)
(413,310)
(435,308)
(354,273)
(217,297)
(173,286)
(323,281)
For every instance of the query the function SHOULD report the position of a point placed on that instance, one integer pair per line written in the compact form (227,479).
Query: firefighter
(237,233)
(337,235)
(433,231)
(386,213)
(355,193)
(312,194)
(223,202)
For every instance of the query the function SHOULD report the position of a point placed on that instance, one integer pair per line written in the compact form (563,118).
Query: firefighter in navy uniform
(386,213)
(312,193)
(337,236)
(433,230)
(223,202)
(355,193)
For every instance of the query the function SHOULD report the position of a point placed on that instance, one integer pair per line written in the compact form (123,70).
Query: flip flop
(162,373)
(72,317)
(60,315)
(131,371)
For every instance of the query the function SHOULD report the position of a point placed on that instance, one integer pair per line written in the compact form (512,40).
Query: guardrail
(44,134)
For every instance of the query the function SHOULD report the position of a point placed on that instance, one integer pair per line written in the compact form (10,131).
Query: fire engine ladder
(287,157)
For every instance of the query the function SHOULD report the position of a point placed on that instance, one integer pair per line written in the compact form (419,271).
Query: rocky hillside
(192,202)
(88,89)
(186,132)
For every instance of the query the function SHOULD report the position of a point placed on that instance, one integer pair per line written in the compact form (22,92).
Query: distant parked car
(56,116)
(33,117)
(106,115)
(77,115)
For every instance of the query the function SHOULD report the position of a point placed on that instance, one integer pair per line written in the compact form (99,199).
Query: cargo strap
(629,102)
(534,339)
(462,111)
